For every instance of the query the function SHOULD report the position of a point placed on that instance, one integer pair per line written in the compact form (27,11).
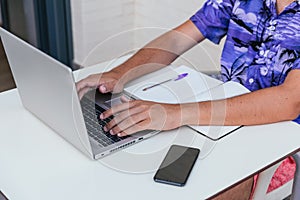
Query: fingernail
(101,116)
(103,88)
(119,135)
(111,132)
(105,129)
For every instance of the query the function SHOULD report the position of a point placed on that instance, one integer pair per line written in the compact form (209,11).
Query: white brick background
(106,29)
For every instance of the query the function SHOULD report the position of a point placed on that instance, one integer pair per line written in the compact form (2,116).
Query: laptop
(47,89)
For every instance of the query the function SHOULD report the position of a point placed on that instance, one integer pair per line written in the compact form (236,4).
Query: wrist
(118,74)
(190,114)
(121,74)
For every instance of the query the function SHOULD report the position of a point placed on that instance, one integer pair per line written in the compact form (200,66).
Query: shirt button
(251,80)
(272,28)
(261,53)
(264,71)
(273,22)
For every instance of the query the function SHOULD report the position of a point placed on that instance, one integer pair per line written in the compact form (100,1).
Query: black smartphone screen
(177,165)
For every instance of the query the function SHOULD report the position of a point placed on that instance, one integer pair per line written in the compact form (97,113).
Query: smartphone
(2,196)
(177,165)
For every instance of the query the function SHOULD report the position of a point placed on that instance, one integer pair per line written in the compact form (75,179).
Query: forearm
(146,60)
(160,52)
(260,107)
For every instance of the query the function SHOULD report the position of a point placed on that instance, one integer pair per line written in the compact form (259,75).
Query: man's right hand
(105,82)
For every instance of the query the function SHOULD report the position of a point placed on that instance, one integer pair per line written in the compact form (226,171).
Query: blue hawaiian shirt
(261,47)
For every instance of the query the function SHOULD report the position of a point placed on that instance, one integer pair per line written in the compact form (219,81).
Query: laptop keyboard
(94,124)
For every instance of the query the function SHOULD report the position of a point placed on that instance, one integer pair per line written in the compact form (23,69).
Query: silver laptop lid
(47,89)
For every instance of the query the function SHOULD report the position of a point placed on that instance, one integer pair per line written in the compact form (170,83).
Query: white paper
(226,90)
(173,91)
(195,87)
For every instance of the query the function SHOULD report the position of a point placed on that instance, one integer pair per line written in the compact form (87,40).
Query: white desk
(35,163)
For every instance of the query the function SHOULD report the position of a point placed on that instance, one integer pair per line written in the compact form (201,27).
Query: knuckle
(109,125)
(135,118)
(121,116)
(142,126)
(116,129)
(147,123)
(104,114)
(136,102)
(144,107)
(146,114)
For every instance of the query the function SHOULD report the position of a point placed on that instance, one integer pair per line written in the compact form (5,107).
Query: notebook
(194,87)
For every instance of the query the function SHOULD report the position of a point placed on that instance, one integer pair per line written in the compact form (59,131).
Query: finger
(141,126)
(82,92)
(111,86)
(123,115)
(127,123)
(117,109)
(91,82)
(103,89)
(80,85)
(125,99)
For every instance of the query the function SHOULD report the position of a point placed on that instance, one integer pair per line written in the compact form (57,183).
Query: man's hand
(105,82)
(133,116)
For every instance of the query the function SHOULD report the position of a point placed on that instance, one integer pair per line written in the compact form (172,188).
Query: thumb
(125,99)
(103,89)
(106,87)
(111,85)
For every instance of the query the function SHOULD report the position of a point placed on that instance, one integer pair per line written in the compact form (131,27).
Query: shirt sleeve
(296,64)
(213,18)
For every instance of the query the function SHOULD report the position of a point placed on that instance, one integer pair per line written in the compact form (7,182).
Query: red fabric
(284,173)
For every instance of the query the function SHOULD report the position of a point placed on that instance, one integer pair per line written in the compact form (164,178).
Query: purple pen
(177,78)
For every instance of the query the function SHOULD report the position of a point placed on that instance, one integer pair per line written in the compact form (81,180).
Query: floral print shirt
(261,47)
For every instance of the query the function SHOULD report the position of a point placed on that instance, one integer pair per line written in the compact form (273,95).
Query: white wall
(114,28)
(163,15)
(96,25)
